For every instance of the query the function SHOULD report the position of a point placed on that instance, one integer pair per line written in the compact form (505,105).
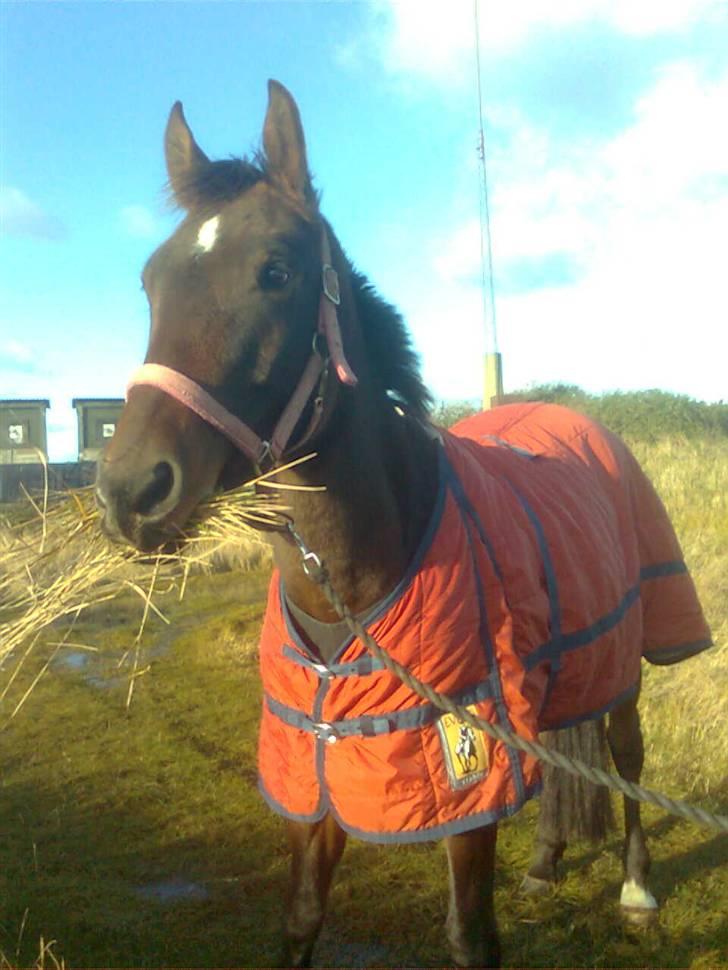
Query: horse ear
(185,159)
(284,143)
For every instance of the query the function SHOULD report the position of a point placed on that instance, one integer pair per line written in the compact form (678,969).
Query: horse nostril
(155,492)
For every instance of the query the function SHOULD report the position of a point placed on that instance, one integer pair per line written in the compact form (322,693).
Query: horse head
(242,319)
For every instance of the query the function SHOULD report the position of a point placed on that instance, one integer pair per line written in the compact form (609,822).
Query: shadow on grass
(77,866)
(580,922)
(90,877)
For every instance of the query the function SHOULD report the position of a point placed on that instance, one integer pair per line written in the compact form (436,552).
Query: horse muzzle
(138,510)
(162,461)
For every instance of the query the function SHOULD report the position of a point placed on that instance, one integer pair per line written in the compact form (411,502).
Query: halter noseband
(194,397)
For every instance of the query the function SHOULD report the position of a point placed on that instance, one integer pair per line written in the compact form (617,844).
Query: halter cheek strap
(195,398)
(328,321)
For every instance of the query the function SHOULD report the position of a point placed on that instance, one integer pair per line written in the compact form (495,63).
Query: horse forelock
(216,183)
(222,181)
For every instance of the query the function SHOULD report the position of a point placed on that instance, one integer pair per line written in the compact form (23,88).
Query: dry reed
(55,563)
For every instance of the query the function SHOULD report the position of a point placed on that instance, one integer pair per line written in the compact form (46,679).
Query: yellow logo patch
(465,749)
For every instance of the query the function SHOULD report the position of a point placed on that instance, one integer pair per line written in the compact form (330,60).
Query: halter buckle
(330,281)
(325,732)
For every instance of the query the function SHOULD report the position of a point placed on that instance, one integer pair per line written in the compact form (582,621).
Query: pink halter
(189,393)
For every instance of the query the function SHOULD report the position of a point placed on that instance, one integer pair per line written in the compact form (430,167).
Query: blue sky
(608,166)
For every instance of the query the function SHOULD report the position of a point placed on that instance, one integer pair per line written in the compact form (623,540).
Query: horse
(267,345)
(465,750)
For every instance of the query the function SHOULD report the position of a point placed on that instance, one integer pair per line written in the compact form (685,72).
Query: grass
(688,703)
(100,805)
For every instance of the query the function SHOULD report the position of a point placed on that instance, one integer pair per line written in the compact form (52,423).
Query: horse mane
(393,361)
(392,358)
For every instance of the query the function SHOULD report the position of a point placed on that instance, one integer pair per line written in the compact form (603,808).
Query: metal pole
(493,384)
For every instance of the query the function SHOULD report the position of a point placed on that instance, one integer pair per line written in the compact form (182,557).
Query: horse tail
(570,805)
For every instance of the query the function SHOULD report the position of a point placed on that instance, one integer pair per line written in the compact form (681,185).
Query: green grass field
(137,838)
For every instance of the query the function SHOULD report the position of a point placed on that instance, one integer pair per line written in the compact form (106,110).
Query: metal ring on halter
(265,453)
(319,345)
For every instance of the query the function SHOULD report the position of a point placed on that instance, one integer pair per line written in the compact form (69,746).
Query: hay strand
(56,563)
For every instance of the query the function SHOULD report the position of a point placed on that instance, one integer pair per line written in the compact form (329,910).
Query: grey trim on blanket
(380,608)
(664,656)
(584,637)
(370,725)
(597,714)
(361,667)
(433,834)
(675,568)
(472,521)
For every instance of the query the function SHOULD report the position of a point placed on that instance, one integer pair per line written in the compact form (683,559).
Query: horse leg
(569,806)
(315,850)
(551,833)
(625,741)
(550,841)
(471,925)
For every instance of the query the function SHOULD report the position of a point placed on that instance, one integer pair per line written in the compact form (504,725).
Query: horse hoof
(638,905)
(534,886)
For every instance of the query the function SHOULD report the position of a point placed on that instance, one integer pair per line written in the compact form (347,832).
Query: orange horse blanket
(548,570)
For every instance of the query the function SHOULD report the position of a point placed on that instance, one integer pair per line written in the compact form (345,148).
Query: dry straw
(55,563)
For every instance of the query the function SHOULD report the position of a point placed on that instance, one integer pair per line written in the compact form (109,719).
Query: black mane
(389,346)
(392,359)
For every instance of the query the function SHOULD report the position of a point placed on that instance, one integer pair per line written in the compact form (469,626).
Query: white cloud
(434,38)
(63,362)
(645,17)
(17,351)
(139,222)
(72,374)
(645,216)
(22,217)
(678,139)
(24,375)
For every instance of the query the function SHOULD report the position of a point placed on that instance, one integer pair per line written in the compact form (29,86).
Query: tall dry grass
(55,563)
(685,707)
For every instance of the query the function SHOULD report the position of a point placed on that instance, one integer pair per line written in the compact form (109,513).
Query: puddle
(101,670)
(173,891)
(74,659)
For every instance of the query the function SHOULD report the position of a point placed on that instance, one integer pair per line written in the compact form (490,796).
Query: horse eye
(275,276)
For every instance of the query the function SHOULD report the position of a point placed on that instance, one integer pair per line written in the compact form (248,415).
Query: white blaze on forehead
(207,234)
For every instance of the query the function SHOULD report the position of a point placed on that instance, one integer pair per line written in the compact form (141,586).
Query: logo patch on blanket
(465,750)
